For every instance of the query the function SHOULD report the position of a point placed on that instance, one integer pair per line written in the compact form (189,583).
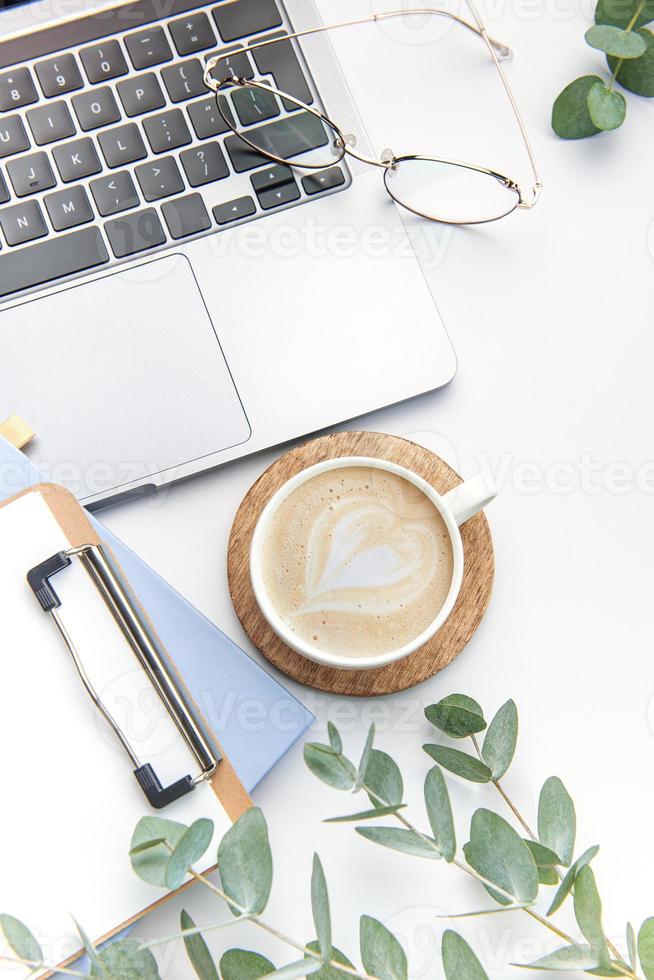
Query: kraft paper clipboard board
(70,800)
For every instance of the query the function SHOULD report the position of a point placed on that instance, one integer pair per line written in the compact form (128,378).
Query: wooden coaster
(434,655)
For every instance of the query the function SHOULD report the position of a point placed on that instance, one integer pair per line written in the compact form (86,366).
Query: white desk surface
(549,313)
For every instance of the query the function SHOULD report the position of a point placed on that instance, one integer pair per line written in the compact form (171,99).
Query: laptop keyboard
(113,148)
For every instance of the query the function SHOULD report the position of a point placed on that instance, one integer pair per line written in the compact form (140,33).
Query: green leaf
(566,958)
(89,949)
(500,741)
(646,948)
(300,968)
(331,972)
(384,780)
(329,766)
(20,939)
(459,961)
(588,913)
(567,884)
(381,954)
(546,862)
(632,947)
(637,75)
(380,811)
(335,739)
(126,960)
(570,114)
(197,950)
(616,41)
(557,822)
(497,852)
(150,863)
(365,758)
(399,839)
(607,108)
(320,908)
(460,763)
(191,846)
(439,811)
(457,716)
(621,13)
(245,862)
(243,964)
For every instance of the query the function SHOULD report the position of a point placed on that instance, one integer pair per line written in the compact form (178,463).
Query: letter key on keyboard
(96,108)
(13,138)
(122,145)
(68,208)
(50,122)
(31,174)
(22,223)
(77,159)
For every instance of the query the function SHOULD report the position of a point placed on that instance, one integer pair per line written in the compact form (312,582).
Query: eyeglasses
(449,191)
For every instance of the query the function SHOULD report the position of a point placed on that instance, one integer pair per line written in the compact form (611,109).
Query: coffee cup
(343,508)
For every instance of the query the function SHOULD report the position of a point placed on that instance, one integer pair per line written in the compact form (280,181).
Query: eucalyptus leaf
(320,908)
(189,849)
(245,863)
(646,948)
(632,947)
(328,972)
(126,960)
(566,958)
(497,853)
(383,780)
(546,862)
(197,950)
(621,13)
(637,75)
(300,968)
(557,822)
(381,954)
(150,864)
(500,740)
(571,118)
(439,812)
(380,811)
(568,882)
(399,839)
(365,758)
(457,716)
(616,41)
(89,949)
(329,766)
(588,913)
(335,739)
(607,108)
(243,964)
(460,763)
(459,961)
(20,939)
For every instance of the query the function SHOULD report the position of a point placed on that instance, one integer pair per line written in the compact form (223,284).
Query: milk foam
(357,561)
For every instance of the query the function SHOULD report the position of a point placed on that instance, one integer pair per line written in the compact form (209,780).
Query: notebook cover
(255,719)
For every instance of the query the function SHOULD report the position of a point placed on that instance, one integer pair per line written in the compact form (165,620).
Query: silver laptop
(170,301)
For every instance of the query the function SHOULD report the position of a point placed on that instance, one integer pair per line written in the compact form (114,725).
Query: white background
(549,313)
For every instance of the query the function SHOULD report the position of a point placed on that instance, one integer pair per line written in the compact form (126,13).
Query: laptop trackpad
(122,378)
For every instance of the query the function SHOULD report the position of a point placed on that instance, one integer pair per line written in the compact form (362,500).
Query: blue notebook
(225,682)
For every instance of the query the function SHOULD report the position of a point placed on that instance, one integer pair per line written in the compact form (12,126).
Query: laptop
(169,303)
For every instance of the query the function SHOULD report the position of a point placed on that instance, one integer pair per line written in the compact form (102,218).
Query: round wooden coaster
(434,655)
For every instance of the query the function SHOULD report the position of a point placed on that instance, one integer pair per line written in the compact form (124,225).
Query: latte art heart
(357,561)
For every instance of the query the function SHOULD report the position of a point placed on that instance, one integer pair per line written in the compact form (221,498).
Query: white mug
(455,507)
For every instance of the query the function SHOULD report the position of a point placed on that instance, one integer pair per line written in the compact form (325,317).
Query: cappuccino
(357,561)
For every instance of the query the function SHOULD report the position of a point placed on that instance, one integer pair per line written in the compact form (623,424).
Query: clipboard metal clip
(143,643)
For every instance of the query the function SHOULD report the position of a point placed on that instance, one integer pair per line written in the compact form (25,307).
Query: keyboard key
(141,94)
(31,174)
(192,33)
(103,61)
(245,17)
(206,119)
(114,193)
(68,208)
(59,75)
(323,181)
(22,223)
(167,130)
(184,80)
(4,193)
(122,145)
(77,159)
(96,108)
(233,61)
(202,164)
(186,216)
(253,105)
(61,256)
(17,88)
(284,138)
(242,207)
(13,138)
(50,122)
(135,232)
(159,179)
(282,194)
(148,48)
(280,61)
(272,177)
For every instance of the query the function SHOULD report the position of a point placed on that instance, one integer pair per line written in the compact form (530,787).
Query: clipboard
(57,712)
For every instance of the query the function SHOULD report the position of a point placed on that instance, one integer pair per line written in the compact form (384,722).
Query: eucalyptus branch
(41,965)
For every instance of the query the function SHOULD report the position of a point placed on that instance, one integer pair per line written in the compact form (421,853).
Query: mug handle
(469,497)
